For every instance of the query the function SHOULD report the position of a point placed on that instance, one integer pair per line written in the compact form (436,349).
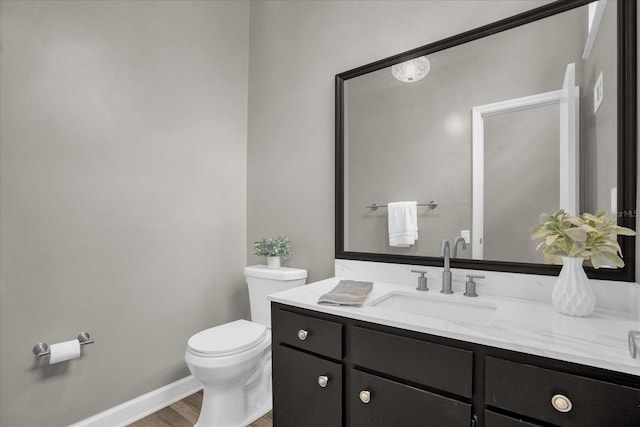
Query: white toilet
(233,361)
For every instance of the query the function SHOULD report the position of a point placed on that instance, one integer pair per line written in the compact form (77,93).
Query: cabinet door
(393,404)
(300,396)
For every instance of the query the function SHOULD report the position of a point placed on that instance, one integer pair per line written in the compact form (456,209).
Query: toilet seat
(227,340)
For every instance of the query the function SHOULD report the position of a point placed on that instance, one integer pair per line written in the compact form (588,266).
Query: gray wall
(296,48)
(123,173)
(600,130)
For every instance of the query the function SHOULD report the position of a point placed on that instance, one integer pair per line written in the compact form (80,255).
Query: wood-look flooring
(184,413)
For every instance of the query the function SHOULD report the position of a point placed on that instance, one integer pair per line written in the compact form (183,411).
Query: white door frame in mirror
(569,182)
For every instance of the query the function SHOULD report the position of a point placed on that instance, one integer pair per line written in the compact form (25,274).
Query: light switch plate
(466,235)
(598,93)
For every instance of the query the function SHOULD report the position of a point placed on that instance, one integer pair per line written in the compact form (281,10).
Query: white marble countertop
(528,326)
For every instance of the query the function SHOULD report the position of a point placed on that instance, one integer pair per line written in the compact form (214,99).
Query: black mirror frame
(627,142)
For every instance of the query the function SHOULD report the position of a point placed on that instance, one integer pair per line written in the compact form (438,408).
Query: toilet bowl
(233,360)
(224,358)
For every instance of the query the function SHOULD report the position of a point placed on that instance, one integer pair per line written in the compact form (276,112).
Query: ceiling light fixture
(411,70)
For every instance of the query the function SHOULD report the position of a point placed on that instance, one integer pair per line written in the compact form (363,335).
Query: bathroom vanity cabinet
(335,371)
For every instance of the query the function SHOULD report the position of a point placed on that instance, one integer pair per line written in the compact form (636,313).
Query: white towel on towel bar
(403,224)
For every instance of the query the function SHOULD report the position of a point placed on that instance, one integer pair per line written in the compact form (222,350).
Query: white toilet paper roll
(64,351)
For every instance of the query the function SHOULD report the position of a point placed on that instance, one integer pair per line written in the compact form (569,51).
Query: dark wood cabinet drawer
(433,365)
(491,419)
(299,399)
(393,404)
(308,333)
(529,390)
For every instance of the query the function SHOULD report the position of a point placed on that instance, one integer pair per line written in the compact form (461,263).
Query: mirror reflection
(496,131)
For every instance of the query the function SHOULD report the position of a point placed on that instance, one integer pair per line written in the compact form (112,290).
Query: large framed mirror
(488,129)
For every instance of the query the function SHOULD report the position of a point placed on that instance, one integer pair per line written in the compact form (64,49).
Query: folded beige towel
(347,292)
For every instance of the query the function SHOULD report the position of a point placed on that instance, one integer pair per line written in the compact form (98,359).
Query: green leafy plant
(592,237)
(280,246)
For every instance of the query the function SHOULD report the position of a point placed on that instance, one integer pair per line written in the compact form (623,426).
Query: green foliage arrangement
(279,246)
(592,237)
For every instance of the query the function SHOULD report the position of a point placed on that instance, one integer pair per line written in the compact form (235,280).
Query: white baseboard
(135,409)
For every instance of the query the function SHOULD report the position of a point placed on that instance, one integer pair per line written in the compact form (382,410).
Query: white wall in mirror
(539,158)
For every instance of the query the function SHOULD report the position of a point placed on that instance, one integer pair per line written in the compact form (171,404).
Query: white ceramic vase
(572,293)
(273,262)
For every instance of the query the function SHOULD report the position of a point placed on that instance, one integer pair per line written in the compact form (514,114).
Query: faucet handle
(470,290)
(422,280)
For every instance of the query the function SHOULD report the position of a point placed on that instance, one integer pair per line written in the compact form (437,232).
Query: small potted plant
(273,249)
(569,240)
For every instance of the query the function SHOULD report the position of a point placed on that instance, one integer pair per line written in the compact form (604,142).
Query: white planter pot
(273,262)
(572,293)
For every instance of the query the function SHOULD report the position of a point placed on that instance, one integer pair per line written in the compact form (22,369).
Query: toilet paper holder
(42,349)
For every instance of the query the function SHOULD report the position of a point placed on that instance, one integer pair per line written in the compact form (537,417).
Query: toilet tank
(263,281)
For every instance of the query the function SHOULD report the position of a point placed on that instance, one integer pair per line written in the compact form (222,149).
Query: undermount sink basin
(440,308)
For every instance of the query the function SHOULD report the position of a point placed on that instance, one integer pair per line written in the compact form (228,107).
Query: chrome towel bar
(432,205)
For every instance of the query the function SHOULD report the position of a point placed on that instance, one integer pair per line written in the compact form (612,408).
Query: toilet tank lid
(282,273)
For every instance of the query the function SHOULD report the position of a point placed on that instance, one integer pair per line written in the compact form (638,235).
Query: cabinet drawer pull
(323,380)
(561,403)
(365,396)
(302,334)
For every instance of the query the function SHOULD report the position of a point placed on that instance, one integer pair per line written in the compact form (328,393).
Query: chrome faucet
(445,252)
(459,239)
